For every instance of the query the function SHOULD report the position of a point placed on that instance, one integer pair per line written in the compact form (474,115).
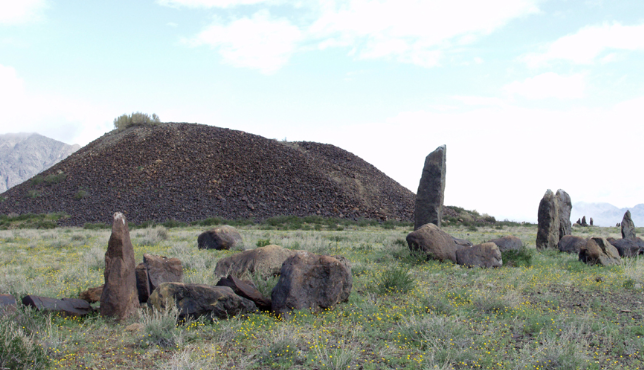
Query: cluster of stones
(582,222)
(553,219)
(185,171)
(605,251)
(433,242)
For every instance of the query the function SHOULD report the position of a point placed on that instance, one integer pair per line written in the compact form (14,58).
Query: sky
(528,95)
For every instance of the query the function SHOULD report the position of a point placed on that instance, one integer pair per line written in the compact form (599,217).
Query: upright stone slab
(120,298)
(431,190)
(628,227)
(564,207)
(548,219)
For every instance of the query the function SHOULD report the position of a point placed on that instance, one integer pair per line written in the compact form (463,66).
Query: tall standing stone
(431,190)
(628,227)
(120,298)
(548,219)
(564,207)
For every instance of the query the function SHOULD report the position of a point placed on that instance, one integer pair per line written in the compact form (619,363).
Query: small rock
(434,242)
(134,327)
(509,242)
(571,244)
(266,261)
(481,255)
(65,306)
(247,290)
(223,237)
(92,295)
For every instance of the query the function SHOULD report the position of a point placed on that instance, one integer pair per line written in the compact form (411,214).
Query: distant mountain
(605,214)
(24,155)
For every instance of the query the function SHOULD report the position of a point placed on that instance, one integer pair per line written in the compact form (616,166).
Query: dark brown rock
(631,247)
(508,242)
(628,227)
(564,207)
(583,221)
(266,261)
(431,189)
(7,304)
(599,251)
(434,242)
(223,237)
(548,222)
(591,221)
(246,289)
(65,306)
(162,270)
(481,255)
(120,298)
(571,244)
(311,281)
(196,300)
(91,295)
(142,282)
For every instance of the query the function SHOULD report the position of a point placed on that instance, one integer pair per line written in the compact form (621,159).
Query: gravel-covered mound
(189,172)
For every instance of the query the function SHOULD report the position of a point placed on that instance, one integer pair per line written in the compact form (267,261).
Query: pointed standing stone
(564,206)
(548,219)
(431,190)
(628,227)
(120,298)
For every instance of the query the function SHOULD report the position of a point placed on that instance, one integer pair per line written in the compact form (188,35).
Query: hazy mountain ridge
(23,155)
(606,214)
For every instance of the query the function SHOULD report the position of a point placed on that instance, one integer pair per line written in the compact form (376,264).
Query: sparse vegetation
(31,221)
(403,312)
(81,194)
(135,119)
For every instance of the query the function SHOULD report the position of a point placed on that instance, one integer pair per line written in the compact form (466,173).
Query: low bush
(517,258)
(395,280)
(135,119)
(263,242)
(81,194)
(19,348)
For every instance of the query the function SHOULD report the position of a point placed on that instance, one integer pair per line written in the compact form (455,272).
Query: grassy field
(402,313)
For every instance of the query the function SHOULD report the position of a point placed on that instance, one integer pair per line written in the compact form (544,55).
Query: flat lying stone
(65,306)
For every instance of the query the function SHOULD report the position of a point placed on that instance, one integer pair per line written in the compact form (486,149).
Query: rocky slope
(24,155)
(189,172)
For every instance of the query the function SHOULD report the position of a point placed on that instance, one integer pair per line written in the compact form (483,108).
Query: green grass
(403,311)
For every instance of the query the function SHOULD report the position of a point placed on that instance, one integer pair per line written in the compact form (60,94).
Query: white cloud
(210,3)
(61,118)
(20,11)
(417,32)
(590,44)
(549,85)
(412,31)
(259,42)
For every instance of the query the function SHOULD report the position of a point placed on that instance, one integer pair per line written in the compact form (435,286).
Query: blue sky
(527,94)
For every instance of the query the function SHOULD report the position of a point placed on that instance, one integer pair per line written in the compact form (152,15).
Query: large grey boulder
(480,255)
(265,261)
(508,242)
(222,237)
(120,298)
(434,242)
(599,251)
(431,190)
(548,222)
(628,227)
(311,281)
(196,300)
(564,207)
(571,244)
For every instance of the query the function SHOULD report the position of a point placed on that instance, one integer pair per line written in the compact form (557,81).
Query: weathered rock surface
(583,221)
(65,306)
(142,282)
(189,172)
(630,247)
(564,207)
(311,281)
(508,242)
(571,244)
(628,227)
(480,255)
(599,251)
(266,261)
(120,298)
(434,242)
(548,222)
(431,189)
(222,237)
(246,289)
(196,300)
(7,304)
(92,295)
(462,242)
(162,270)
